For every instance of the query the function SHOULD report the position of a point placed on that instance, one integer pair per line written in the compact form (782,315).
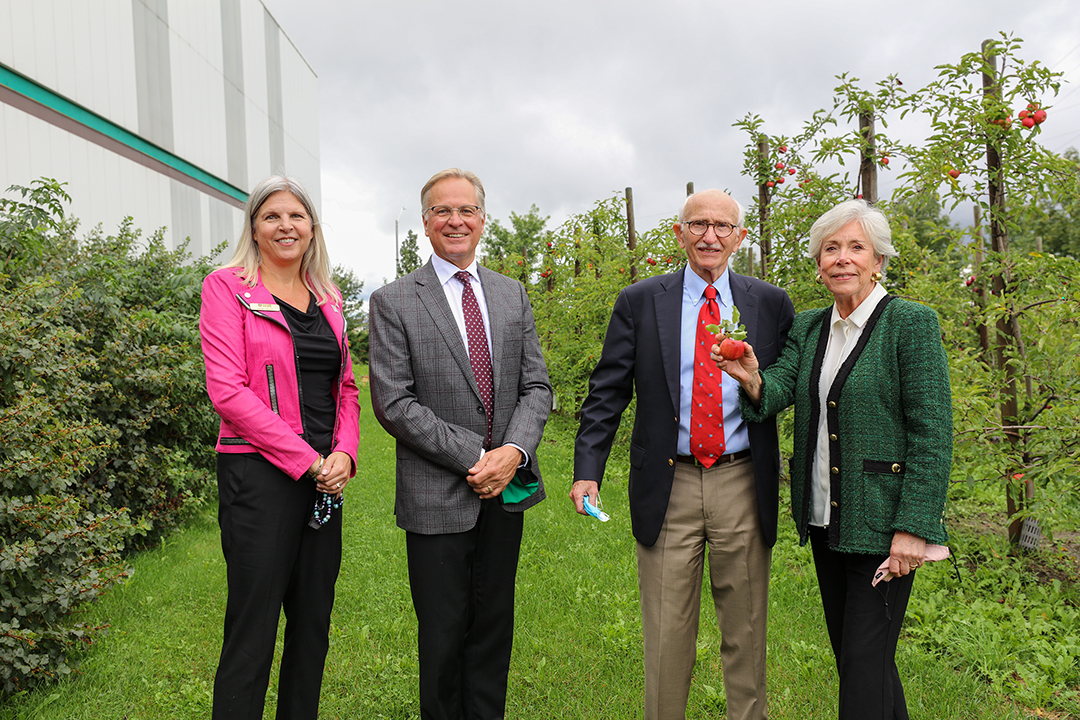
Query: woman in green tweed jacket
(873,447)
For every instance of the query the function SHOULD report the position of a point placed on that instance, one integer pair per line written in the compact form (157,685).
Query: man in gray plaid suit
(457,376)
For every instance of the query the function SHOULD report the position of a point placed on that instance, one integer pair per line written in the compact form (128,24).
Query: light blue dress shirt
(736,437)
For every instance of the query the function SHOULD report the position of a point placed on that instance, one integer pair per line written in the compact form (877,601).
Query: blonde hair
(315,265)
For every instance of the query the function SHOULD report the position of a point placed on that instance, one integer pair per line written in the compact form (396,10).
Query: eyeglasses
(700,227)
(465,212)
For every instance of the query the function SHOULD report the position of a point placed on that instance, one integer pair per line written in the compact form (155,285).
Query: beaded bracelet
(315,475)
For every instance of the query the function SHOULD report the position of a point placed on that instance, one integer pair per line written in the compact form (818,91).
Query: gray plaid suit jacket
(424,394)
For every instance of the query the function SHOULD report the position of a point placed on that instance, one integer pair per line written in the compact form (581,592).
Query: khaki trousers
(713,510)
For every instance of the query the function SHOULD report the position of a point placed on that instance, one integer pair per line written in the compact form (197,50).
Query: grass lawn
(577,643)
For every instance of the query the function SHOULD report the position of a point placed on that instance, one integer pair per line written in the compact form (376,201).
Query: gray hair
(446,175)
(873,222)
(739,222)
(315,265)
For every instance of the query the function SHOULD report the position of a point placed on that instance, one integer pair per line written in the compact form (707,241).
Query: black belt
(691,460)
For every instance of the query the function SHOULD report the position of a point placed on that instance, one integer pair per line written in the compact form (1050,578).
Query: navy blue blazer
(641,351)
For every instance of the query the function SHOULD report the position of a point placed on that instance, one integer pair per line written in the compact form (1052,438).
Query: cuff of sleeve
(751,412)
(524,455)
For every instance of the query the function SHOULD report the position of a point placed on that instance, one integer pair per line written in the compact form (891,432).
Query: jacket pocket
(882,482)
(883,466)
(767,353)
(271,388)
(637,455)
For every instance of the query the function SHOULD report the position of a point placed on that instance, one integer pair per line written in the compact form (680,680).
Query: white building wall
(301,125)
(89,52)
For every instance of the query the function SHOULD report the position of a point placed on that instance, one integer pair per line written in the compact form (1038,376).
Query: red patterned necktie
(479,356)
(707,401)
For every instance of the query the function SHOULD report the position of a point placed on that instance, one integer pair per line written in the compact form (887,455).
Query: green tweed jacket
(889,418)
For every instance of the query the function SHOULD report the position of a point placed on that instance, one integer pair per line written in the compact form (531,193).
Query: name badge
(267,307)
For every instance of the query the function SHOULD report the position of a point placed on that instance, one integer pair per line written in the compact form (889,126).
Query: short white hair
(873,222)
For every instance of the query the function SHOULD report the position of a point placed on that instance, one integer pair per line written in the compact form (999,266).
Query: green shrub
(55,556)
(108,432)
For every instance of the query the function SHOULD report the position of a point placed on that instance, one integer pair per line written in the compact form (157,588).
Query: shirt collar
(694,287)
(445,270)
(862,313)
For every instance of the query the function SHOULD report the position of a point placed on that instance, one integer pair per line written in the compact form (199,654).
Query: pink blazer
(251,375)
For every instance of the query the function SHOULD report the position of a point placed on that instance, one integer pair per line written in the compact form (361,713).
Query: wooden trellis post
(631,234)
(868,164)
(999,243)
(763,211)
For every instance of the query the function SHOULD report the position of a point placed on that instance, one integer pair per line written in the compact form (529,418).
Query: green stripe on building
(51,100)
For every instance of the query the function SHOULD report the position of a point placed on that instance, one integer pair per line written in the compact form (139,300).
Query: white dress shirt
(454,290)
(844,336)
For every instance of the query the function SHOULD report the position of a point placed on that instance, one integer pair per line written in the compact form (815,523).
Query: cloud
(564,102)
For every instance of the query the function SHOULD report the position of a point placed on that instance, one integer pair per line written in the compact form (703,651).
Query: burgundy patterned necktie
(707,400)
(479,356)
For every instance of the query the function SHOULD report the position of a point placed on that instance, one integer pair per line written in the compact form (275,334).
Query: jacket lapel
(668,307)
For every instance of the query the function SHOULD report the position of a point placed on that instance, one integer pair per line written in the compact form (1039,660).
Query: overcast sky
(563,102)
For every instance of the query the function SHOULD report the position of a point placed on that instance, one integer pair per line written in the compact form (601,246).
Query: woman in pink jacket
(279,374)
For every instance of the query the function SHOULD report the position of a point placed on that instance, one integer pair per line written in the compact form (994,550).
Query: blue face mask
(595,510)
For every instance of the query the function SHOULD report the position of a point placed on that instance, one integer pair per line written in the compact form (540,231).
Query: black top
(318,360)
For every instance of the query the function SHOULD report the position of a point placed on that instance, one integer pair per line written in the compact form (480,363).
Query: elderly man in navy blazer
(702,481)
(457,376)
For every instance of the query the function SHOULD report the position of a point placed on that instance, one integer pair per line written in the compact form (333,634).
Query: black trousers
(463,592)
(274,561)
(864,625)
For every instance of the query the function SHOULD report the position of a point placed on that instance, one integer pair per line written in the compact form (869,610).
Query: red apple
(732,349)
(791,171)
(779,166)
(954,173)
(783,148)
(885,160)
(1039,116)
(770,183)
(1028,122)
